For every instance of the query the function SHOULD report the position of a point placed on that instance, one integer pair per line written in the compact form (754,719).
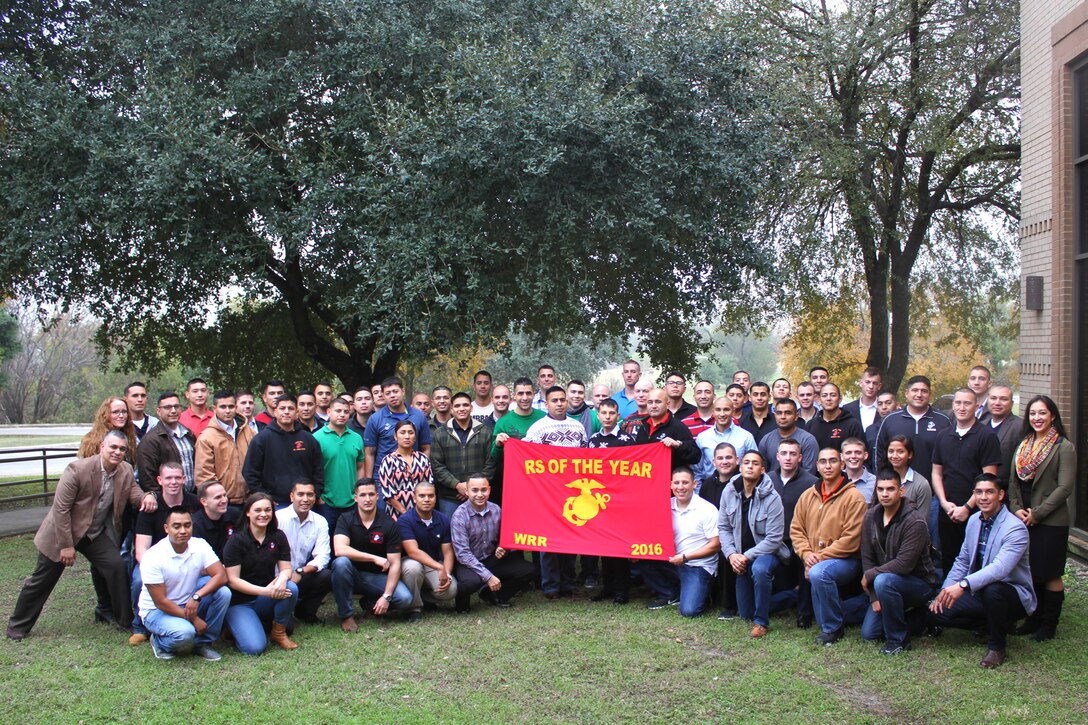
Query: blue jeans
(754,589)
(332,514)
(690,584)
(896,594)
(557,572)
(448,507)
(134,592)
(830,611)
(247,621)
(347,580)
(176,634)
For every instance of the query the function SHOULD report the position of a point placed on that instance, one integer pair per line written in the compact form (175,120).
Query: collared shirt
(104,507)
(475,535)
(697,424)
(148,423)
(987,525)
(866,484)
(381,538)
(196,423)
(379,432)
(341,454)
(309,539)
(185,449)
(153,524)
(693,527)
(539,403)
(626,405)
(708,440)
(867,414)
(216,532)
(429,535)
(179,572)
(258,562)
(232,429)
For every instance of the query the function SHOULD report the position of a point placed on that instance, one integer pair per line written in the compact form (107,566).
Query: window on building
(1080,298)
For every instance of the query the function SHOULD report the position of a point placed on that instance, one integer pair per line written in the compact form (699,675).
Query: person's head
(378,394)
(422,403)
(1042,413)
(964,406)
(818,376)
(523,395)
(363,401)
(136,399)
(608,413)
(393,390)
(556,399)
(829,464)
(196,392)
(785,414)
(366,495)
(704,395)
(738,396)
(339,412)
(244,403)
(479,491)
(286,411)
(168,409)
(112,414)
(999,401)
(270,392)
(725,459)
(259,512)
(113,448)
(789,456)
(918,392)
(675,385)
(830,397)
(404,432)
(723,412)
(303,497)
(178,526)
(224,406)
(990,492)
(806,395)
(900,452)
(441,399)
(781,388)
(889,489)
(886,403)
(576,393)
(760,395)
(600,392)
(854,454)
(323,395)
(657,404)
(500,398)
(643,388)
(213,498)
(683,484)
(171,478)
(742,378)
(751,467)
(481,383)
(307,405)
(632,371)
(425,498)
(870,382)
(461,405)
(978,380)
(545,377)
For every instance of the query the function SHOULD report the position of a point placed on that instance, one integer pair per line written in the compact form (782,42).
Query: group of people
(209,521)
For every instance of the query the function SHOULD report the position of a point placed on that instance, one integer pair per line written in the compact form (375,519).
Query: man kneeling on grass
(688,575)
(184,598)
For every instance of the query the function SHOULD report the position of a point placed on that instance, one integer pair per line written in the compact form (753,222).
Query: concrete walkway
(22,520)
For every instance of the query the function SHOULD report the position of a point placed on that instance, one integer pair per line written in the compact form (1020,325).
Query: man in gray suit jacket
(86,517)
(989,584)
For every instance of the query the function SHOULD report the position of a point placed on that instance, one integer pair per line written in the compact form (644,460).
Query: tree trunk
(900,328)
(877,357)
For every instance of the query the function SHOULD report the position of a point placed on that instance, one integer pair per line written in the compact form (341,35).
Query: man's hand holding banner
(595,501)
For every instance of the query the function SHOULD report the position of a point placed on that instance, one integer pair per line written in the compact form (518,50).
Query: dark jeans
(951,535)
(557,572)
(515,573)
(103,555)
(896,594)
(312,590)
(994,608)
(689,583)
(332,514)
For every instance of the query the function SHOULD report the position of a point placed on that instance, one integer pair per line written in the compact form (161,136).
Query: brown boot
(279,637)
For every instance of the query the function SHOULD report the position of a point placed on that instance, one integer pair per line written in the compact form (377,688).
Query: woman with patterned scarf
(1040,488)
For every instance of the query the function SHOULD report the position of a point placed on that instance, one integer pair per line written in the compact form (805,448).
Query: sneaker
(205,652)
(662,602)
(758,631)
(829,638)
(136,639)
(726,614)
(804,621)
(892,650)
(160,654)
(591,582)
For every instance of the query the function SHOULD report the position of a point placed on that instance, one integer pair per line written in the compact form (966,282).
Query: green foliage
(577,357)
(9,342)
(730,353)
(391,178)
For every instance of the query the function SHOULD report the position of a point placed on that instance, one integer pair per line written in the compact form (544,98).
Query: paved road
(44,430)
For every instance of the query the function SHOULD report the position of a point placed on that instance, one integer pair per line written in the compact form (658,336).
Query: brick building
(1054,218)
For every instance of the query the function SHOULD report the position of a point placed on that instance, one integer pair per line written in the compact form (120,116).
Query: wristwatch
(964,585)
(387,597)
(196,597)
(299,570)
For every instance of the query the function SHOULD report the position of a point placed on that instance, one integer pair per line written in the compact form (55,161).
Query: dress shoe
(15,635)
(601,596)
(103,616)
(620,599)
(994,658)
(136,639)
(759,631)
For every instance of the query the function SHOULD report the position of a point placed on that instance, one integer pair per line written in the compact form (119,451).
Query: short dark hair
(164,395)
(462,394)
(288,398)
(545,367)
(814,368)
(575,381)
(202,489)
(872,371)
(341,400)
(523,381)
(302,482)
(360,389)
(738,386)
(1002,484)
(364,481)
(240,393)
(195,380)
(436,388)
(134,384)
(786,401)
(478,373)
(222,395)
(554,389)
(760,384)
(608,403)
(684,469)
(725,444)
(176,465)
(889,474)
(676,373)
(391,382)
(791,441)
(271,384)
(915,379)
(306,392)
(179,509)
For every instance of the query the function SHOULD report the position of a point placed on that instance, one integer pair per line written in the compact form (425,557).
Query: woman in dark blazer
(1040,485)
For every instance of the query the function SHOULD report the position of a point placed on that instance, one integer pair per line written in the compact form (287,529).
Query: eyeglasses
(175,406)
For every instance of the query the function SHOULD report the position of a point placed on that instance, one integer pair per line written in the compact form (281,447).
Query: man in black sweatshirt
(282,453)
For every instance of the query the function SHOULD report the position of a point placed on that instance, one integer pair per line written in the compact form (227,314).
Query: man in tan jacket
(221,449)
(86,517)
(826,534)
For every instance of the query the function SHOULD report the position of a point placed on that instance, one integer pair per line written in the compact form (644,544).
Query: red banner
(597,501)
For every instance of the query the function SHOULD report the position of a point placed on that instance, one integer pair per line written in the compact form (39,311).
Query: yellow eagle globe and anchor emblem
(587,504)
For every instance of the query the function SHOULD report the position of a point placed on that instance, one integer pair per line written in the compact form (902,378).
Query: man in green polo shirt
(513,425)
(342,450)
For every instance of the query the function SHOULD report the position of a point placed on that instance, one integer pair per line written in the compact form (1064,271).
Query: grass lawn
(17,441)
(539,662)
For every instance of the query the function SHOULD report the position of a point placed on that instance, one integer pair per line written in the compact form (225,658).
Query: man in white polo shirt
(184,597)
